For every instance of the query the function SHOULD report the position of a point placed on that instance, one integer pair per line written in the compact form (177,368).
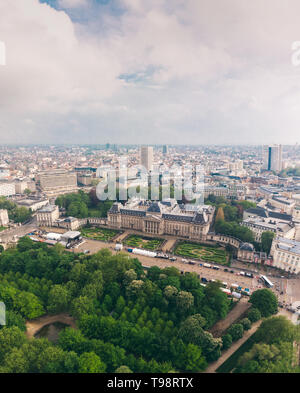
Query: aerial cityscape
(144,227)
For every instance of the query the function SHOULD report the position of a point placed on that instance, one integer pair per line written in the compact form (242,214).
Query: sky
(150,72)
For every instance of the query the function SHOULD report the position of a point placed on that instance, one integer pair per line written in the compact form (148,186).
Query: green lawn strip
(141,242)
(99,233)
(198,251)
(231,362)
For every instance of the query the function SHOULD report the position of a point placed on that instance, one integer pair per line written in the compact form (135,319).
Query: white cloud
(209,70)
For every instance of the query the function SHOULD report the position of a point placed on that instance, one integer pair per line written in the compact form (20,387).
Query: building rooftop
(48,209)
(288,245)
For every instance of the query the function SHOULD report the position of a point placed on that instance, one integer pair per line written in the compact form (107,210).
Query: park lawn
(2,229)
(203,252)
(143,242)
(102,234)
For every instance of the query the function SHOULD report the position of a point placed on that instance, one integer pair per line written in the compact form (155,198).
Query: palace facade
(162,218)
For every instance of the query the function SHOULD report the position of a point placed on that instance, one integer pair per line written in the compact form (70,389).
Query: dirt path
(226,354)
(242,306)
(35,325)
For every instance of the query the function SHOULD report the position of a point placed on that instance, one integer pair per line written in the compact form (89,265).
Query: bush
(226,341)
(254,315)
(246,323)
(236,331)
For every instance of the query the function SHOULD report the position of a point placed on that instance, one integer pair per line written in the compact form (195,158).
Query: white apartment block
(47,215)
(258,226)
(4,220)
(286,254)
(7,189)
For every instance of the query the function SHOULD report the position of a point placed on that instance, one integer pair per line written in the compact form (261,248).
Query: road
(19,231)
(287,290)
(290,288)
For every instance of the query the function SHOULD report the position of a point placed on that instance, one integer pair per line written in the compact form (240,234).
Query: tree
(129,276)
(10,337)
(226,341)
(266,241)
(184,301)
(216,299)
(15,319)
(29,305)
(51,360)
(265,301)
(15,362)
(191,330)
(211,347)
(82,305)
(195,361)
(59,298)
(254,315)
(277,329)
(123,370)
(27,191)
(120,305)
(170,292)
(236,331)
(135,288)
(246,323)
(265,358)
(89,362)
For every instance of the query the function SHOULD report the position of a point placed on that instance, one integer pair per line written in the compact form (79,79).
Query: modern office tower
(273,158)
(165,149)
(57,182)
(147,157)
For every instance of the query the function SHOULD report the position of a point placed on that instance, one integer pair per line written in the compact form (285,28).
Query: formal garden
(102,234)
(146,243)
(208,253)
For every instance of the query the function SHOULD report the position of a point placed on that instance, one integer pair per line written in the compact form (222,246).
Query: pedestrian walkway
(236,313)
(121,237)
(235,346)
(169,244)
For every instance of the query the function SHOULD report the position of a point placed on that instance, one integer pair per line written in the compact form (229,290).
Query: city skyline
(192,72)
